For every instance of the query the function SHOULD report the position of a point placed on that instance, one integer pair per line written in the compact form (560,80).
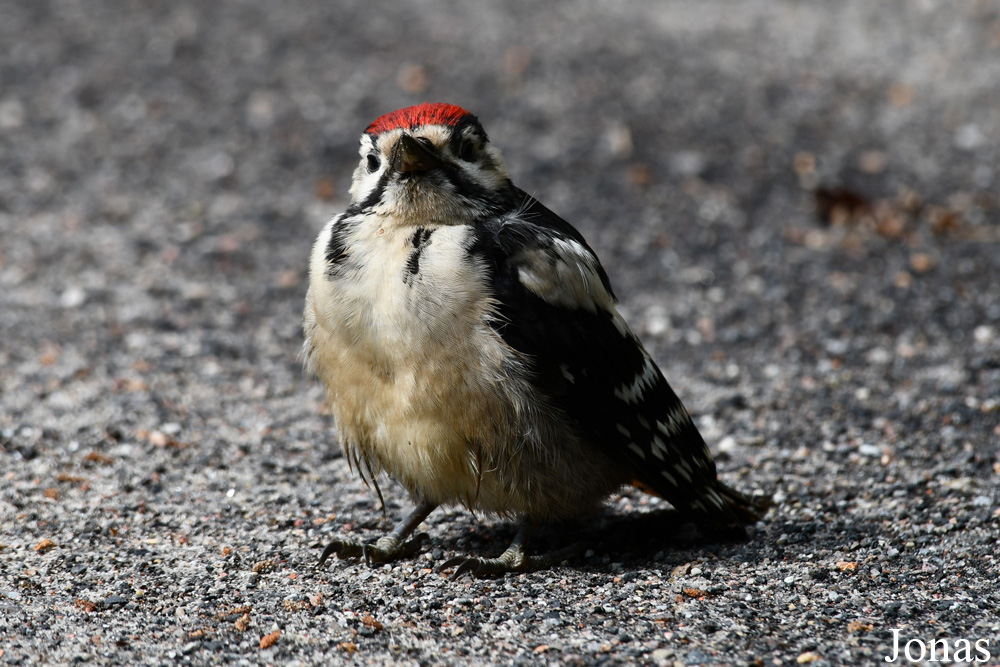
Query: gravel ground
(795,201)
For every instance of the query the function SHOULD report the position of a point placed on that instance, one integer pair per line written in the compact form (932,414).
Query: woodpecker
(470,347)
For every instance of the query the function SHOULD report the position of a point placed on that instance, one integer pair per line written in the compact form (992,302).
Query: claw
(452,562)
(412,545)
(471,566)
(512,560)
(463,565)
(343,549)
(486,567)
(386,548)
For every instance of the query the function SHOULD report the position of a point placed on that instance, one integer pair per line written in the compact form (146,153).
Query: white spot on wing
(566,373)
(638,450)
(677,420)
(679,415)
(644,379)
(667,429)
(669,477)
(659,448)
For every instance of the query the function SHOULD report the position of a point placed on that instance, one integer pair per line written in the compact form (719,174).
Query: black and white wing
(556,307)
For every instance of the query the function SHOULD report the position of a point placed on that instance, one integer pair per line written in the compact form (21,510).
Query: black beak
(411,155)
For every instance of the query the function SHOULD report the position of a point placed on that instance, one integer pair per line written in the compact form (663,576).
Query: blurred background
(778,176)
(796,203)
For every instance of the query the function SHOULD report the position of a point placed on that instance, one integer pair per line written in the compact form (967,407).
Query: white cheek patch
(490,173)
(363,183)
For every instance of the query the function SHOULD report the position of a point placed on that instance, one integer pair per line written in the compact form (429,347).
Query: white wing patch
(565,274)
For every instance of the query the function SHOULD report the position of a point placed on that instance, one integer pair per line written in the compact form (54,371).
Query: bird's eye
(373,162)
(467,151)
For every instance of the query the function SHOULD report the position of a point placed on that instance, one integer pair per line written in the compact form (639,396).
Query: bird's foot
(387,548)
(512,560)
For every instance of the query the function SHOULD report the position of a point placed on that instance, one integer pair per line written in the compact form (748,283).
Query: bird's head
(430,163)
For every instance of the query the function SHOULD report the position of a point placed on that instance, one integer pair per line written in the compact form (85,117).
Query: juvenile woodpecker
(471,350)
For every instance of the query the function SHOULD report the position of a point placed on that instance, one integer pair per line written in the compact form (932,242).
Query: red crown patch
(422,114)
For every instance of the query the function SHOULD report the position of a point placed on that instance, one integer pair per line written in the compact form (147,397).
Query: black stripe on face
(374,197)
(468,127)
(468,140)
(472,190)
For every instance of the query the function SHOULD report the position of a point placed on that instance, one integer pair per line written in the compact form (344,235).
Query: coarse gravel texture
(796,202)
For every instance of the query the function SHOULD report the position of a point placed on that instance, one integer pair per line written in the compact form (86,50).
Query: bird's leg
(388,547)
(514,559)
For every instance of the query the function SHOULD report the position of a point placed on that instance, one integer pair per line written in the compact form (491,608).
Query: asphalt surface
(796,203)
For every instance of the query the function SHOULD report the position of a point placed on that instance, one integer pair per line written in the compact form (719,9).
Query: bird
(471,350)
